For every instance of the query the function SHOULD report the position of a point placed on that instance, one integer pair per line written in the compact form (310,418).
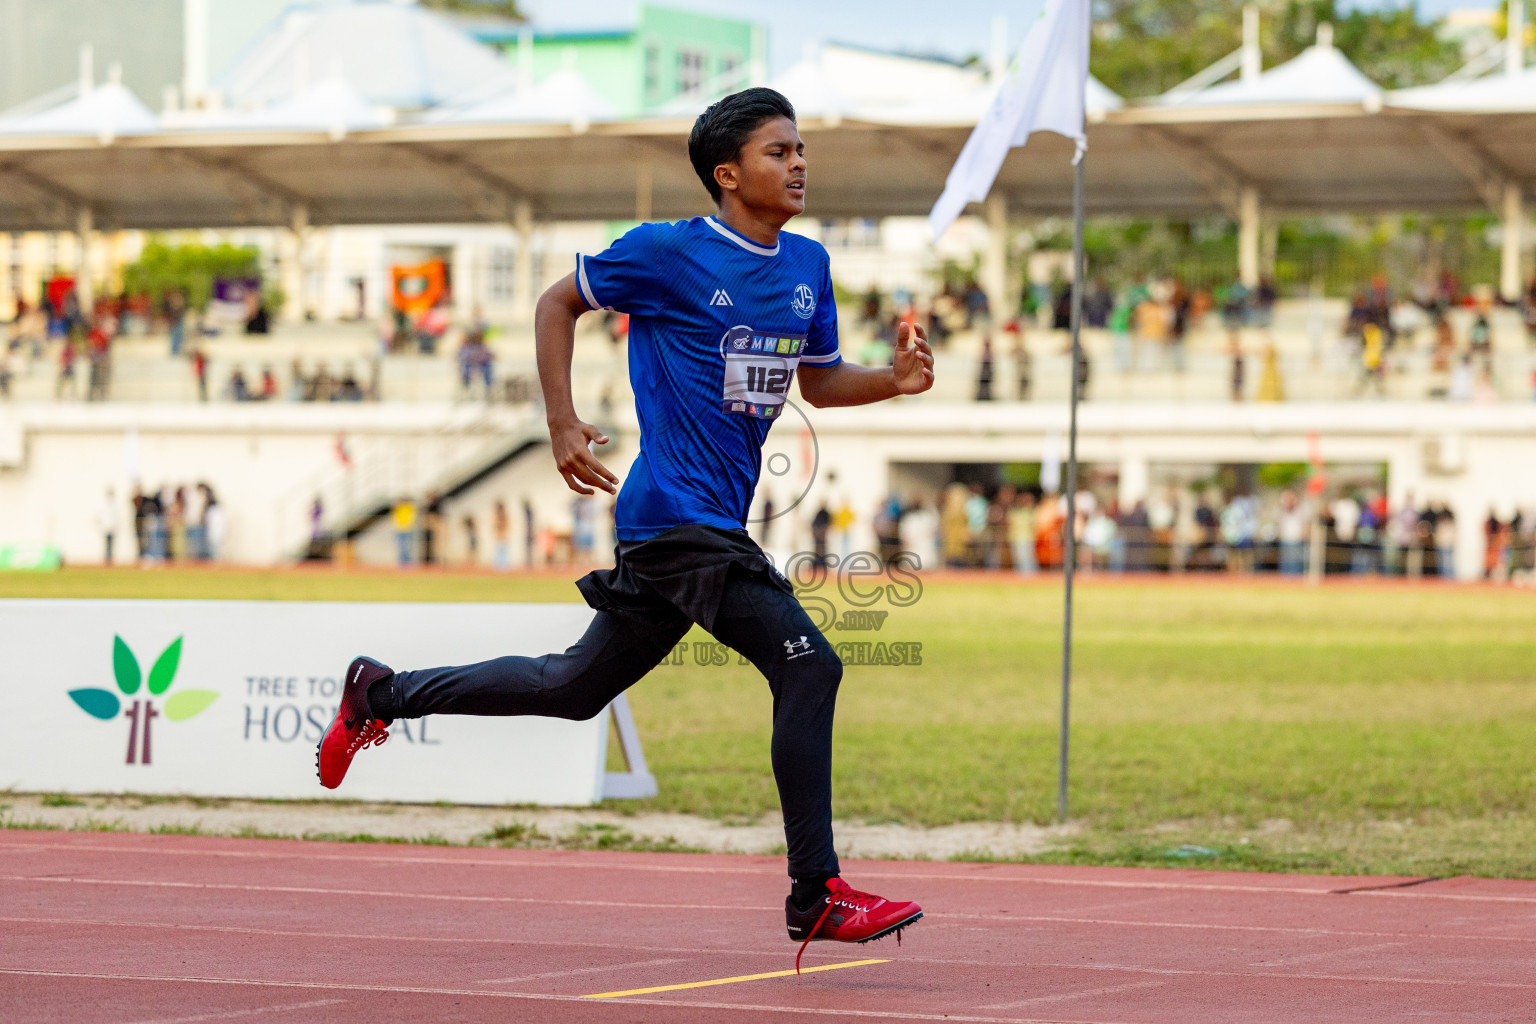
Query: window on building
(652,72)
(502,283)
(730,72)
(690,71)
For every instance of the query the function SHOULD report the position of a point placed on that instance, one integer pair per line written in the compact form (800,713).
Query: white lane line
(674,1004)
(1327,954)
(512,861)
(311,890)
(1064,996)
(580,970)
(232,1014)
(71,922)
(1354,979)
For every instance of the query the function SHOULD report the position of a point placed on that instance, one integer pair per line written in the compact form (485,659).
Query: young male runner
(723,311)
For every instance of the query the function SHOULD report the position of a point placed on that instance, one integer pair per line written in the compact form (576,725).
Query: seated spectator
(237,388)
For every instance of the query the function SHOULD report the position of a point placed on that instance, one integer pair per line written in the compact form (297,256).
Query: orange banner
(416,289)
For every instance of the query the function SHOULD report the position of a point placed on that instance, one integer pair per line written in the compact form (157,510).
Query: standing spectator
(529,535)
(501,536)
(109,520)
(404,518)
(919,532)
(821,524)
(1367,553)
(1445,541)
(99,358)
(984,372)
(6,372)
(1021,533)
(1179,305)
(1408,557)
(431,524)
(238,389)
(1271,384)
(1023,370)
(156,505)
(1239,523)
(1136,538)
(200,372)
(66,379)
(954,526)
(268,390)
(176,319)
(176,525)
(1293,528)
(298,386)
(995,539)
(140,502)
(214,525)
(583,529)
(1495,540)
(317,529)
(472,540)
(1239,365)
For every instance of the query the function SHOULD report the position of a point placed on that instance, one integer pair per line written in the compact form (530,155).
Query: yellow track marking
(730,981)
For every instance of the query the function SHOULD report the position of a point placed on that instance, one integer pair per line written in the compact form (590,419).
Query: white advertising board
(229,698)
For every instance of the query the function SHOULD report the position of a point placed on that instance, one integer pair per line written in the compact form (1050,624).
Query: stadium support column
(645,175)
(1248,225)
(295,284)
(1513,228)
(85,294)
(522,265)
(995,268)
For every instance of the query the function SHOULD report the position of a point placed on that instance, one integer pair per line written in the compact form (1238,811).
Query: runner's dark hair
(725,126)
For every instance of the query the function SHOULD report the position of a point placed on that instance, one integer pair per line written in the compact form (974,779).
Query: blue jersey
(718,324)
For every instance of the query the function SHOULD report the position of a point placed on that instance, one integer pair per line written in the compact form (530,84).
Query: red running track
(133,929)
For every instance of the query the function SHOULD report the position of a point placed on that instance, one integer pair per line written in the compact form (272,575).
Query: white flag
(1043,91)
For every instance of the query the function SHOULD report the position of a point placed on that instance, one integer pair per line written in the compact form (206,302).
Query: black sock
(382,702)
(805,892)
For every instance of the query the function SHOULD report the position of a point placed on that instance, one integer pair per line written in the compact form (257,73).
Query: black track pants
(754,617)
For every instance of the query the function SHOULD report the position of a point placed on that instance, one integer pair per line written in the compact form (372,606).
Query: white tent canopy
(1319,74)
(331,105)
(1497,93)
(563,97)
(105,112)
(392,54)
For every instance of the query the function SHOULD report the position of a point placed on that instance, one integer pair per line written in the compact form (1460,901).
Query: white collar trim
(745,243)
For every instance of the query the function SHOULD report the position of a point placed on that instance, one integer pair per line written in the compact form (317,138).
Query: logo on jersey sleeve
(758,369)
(803,302)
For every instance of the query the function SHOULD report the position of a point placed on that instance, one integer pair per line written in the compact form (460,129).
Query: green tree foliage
(190,269)
(1145,47)
(508,9)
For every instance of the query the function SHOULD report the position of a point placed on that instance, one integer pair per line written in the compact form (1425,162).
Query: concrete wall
(268,462)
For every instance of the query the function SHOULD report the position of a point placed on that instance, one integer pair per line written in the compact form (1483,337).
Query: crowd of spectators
(170,525)
(1023,529)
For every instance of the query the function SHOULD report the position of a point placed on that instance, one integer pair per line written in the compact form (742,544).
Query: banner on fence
(229,698)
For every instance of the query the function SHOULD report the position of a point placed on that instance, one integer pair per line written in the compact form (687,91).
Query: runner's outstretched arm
(554,332)
(846,384)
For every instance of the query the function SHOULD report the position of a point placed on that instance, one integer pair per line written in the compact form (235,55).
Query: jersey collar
(741,240)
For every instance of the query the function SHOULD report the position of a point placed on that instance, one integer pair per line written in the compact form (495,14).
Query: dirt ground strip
(512,826)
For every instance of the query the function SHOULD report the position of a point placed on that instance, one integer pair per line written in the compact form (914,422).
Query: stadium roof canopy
(1142,160)
(386,113)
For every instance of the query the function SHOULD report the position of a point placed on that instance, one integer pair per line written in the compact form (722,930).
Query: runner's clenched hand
(574,459)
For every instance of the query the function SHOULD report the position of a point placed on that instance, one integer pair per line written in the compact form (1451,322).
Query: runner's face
(770,170)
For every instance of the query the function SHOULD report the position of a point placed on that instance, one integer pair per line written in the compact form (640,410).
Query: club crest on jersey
(803,302)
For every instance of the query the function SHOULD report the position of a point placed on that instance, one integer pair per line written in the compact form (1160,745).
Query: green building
(668,55)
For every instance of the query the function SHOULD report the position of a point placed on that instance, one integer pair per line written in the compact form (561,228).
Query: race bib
(758,369)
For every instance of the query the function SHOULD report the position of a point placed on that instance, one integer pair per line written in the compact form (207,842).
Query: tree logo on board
(105,705)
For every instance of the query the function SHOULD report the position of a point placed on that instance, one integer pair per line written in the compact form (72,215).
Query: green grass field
(1340,729)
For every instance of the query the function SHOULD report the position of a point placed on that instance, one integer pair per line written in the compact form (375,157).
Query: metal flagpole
(1071,539)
